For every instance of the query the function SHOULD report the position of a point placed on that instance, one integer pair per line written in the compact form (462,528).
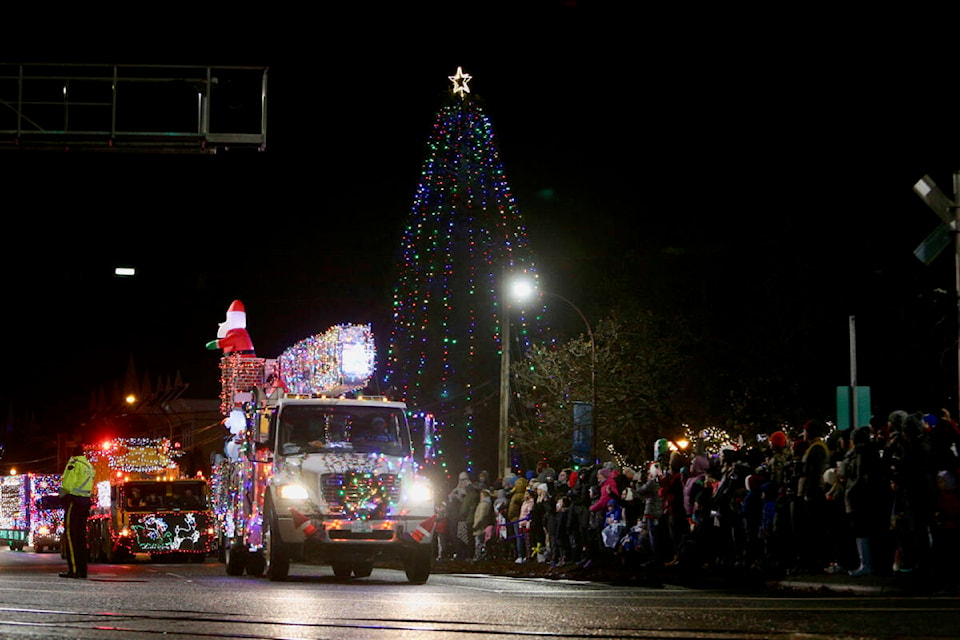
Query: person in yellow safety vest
(75,486)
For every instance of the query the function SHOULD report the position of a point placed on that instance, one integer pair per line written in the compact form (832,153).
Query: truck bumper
(332,536)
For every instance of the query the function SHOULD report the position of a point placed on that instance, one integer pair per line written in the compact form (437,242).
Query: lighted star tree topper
(463,237)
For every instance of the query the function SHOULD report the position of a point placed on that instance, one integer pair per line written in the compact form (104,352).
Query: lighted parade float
(312,470)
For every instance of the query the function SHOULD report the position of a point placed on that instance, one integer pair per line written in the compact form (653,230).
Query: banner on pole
(582,428)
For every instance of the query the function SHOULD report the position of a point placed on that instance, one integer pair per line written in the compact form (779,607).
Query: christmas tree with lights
(463,239)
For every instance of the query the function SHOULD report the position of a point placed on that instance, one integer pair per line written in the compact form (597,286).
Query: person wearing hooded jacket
(513,517)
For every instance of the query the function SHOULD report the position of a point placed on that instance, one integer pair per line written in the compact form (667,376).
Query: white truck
(317,479)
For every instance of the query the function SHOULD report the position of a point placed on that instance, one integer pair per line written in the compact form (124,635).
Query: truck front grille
(357,493)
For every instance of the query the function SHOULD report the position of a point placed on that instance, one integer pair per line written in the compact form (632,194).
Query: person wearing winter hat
(778,440)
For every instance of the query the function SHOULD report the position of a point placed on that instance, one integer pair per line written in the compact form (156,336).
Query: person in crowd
(946,532)
(501,504)
(865,498)
(469,498)
(751,517)
(565,540)
(608,488)
(671,490)
(811,500)
(914,490)
(727,497)
(546,498)
(483,524)
(527,524)
(518,532)
(768,539)
(840,554)
(649,490)
(442,531)
(580,514)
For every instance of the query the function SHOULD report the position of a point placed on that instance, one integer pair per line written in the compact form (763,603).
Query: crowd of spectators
(876,500)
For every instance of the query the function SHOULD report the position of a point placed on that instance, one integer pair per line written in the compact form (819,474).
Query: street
(192,600)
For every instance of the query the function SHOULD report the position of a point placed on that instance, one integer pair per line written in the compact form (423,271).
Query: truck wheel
(362,569)
(342,570)
(235,558)
(275,552)
(38,548)
(418,564)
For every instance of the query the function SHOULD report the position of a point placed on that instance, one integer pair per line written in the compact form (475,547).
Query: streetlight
(522,289)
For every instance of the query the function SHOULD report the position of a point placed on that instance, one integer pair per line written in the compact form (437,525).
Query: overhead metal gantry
(133,108)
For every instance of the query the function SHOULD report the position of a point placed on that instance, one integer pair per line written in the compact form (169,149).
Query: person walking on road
(75,486)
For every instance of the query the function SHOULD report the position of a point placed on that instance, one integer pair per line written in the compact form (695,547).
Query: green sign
(846,402)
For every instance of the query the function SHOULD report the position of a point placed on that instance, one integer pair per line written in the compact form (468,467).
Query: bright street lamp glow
(522,290)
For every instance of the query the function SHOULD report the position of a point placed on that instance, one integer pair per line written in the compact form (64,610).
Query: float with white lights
(314,472)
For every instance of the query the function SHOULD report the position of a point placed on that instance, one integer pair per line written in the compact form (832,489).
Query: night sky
(778,159)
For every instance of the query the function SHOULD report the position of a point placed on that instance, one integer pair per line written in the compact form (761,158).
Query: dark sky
(782,147)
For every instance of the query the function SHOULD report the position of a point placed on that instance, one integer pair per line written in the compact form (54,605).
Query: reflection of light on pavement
(413,601)
(290,608)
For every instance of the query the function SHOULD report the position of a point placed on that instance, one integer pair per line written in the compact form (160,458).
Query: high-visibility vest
(77,478)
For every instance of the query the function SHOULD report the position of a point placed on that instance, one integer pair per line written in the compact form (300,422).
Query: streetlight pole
(522,289)
(503,455)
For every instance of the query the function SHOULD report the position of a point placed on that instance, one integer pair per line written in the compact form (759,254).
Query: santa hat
(237,315)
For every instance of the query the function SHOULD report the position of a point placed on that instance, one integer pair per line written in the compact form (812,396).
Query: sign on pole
(846,402)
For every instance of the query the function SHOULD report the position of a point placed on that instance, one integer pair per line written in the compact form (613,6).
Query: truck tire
(235,559)
(38,548)
(418,563)
(275,552)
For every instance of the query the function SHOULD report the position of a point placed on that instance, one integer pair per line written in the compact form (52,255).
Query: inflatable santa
(232,336)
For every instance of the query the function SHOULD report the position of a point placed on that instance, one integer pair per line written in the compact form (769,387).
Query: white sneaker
(520,560)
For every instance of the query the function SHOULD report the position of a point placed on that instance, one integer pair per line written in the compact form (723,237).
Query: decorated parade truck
(30,511)
(46,512)
(142,505)
(314,473)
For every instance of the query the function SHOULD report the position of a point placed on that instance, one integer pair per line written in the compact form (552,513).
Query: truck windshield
(364,429)
(164,495)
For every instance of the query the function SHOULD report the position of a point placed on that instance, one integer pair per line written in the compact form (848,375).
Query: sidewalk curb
(837,587)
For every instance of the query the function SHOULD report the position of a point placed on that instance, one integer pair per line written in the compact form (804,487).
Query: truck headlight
(420,491)
(293,492)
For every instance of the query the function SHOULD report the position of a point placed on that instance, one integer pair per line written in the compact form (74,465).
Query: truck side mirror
(263,429)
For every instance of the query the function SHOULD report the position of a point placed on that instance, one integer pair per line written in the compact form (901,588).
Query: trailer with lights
(314,473)
(46,512)
(142,505)
(14,511)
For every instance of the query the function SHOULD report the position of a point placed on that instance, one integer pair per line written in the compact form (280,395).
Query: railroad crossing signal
(940,238)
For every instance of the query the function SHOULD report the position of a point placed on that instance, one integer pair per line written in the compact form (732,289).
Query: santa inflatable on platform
(232,336)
